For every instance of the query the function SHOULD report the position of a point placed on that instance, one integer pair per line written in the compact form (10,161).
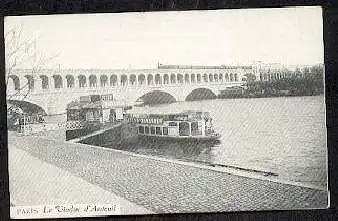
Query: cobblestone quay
(165,187)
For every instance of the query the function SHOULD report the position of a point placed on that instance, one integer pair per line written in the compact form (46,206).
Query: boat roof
(160,113)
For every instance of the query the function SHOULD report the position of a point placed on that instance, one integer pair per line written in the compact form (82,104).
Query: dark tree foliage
(311,82)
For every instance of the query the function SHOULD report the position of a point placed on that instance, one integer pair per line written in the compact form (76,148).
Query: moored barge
(189,125)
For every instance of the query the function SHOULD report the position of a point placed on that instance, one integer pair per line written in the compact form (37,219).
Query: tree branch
(19,52)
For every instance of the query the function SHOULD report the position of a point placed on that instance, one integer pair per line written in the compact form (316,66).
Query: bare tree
(20,51)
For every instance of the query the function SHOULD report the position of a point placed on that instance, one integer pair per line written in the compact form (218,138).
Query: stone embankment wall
(113,136)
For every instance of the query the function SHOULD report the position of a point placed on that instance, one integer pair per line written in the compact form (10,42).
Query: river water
(283,135)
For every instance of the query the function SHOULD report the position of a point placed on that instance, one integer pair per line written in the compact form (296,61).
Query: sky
(290,36)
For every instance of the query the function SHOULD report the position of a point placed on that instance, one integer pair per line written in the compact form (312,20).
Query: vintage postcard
(166,112)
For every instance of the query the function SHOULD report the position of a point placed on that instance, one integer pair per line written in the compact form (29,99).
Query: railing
(28,129)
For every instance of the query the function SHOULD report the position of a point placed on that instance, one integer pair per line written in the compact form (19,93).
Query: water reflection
(282,135)
(177,149)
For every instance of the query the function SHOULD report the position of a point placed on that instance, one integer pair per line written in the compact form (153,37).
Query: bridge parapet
(56,82)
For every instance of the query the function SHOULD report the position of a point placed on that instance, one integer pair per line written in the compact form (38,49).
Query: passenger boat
(189,125)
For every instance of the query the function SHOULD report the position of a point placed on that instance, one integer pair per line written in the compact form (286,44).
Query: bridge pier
(55,101)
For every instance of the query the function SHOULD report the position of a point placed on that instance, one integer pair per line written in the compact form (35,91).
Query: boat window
(184,129)
(152,130)
(165,130)
(73,115)
(90,116)
(141,129)
(195,130)
(146,129)
(172,124)
(158,131)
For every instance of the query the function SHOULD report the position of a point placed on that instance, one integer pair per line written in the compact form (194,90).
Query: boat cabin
(187,124)
(93,109)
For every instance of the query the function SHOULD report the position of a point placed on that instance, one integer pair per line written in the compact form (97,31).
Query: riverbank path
(35,182)
(164,186)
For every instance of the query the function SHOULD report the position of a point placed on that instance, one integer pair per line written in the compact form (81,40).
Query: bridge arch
(216,77)
(44,82)
(150,79)
(180,78)
(157,97)
(14,82)
(28,107)
(70,81)
(211,78)
(173,78)
(220,76)
(141,79)
(82,81)
(158,79)
(124,80)
(186,78)
(226,77)
(113,80)
(198,78)
(200,94)
(92,81)
(132,79)
(57,81)
(165,79)
(193,78)
(231,77)
(103,80)
(30,82)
